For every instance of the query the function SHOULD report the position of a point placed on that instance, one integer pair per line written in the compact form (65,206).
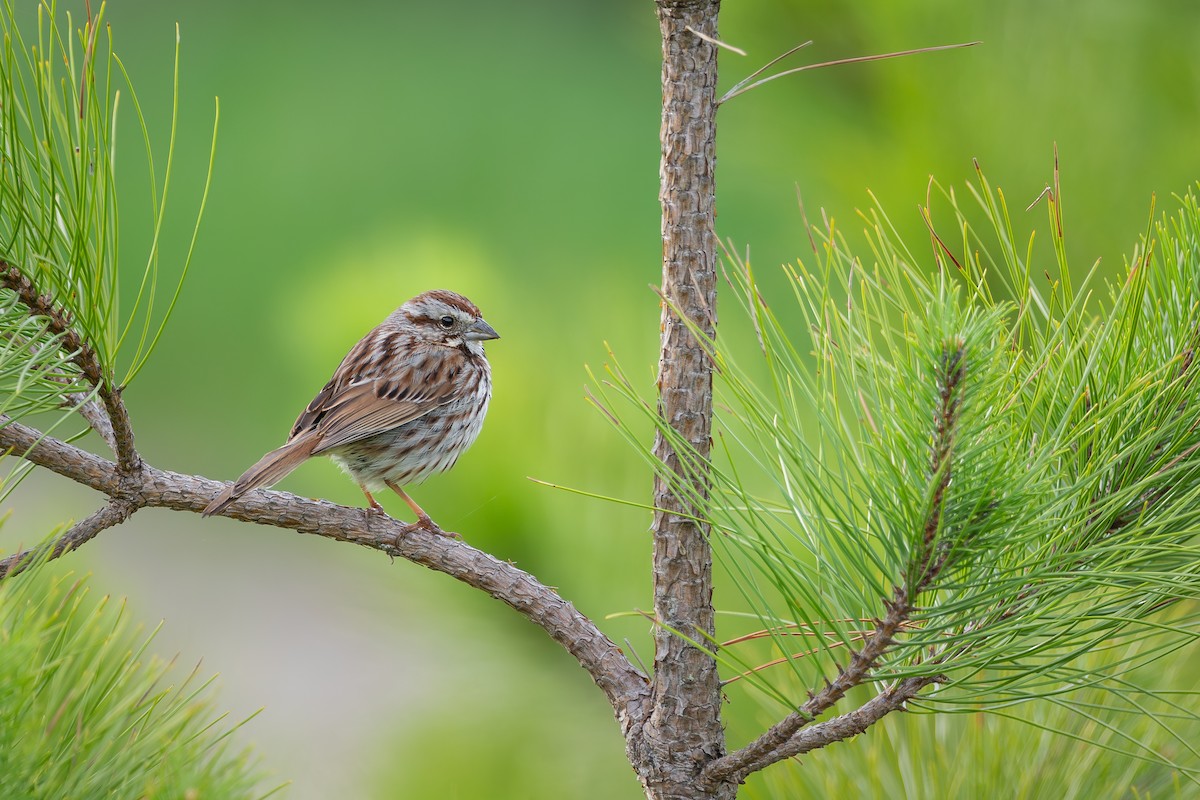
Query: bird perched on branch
(404,404)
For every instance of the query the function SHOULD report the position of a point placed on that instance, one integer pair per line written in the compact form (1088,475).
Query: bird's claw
(427,524)
(373,511)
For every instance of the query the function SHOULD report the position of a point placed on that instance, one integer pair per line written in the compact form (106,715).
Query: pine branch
(1140,505)
(118,431)
(94,415)
(84,404)
(850,724)
(772,745)
(114,513)
(626,688)
(927,562)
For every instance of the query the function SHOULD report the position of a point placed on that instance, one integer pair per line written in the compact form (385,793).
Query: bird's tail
(270,469)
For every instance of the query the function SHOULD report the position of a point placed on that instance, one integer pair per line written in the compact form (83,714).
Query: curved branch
(119,431)
(626,688)
(851,723)
(773,745)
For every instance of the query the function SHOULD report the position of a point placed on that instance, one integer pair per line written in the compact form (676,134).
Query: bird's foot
(374,507)
(425,523)
(374,511)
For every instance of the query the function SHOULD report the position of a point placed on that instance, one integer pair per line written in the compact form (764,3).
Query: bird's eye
(447,322)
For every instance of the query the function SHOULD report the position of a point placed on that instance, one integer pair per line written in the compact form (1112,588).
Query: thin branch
(626,688)
(114,513)
(93,413)
(742,89)
(925,564)
(57,456)
(84,404)
(83,356)
(851,723)
(766,749)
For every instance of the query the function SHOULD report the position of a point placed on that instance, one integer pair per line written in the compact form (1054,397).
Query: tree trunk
(684,730)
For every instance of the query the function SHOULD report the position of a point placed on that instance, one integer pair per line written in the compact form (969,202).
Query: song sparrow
(404,404)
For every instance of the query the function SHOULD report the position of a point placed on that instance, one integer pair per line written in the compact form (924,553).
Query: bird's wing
(364,409)
(370,395)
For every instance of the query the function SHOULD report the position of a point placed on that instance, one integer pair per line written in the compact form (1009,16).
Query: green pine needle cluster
(960,463)
(60,91)
(85,712)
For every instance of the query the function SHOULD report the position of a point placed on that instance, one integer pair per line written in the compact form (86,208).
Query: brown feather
(360,412)
(271,468)
(359,401)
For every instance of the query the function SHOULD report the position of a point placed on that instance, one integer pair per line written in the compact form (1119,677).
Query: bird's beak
(480,331)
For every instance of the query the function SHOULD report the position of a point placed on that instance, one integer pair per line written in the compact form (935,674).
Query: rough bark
(683,732)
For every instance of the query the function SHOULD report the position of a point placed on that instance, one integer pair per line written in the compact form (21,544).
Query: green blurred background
(370,151)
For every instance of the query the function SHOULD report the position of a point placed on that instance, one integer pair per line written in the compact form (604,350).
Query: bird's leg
(370,499)
(423,519)
(372,509)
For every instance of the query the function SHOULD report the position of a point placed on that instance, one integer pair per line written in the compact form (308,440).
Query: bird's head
(445,318)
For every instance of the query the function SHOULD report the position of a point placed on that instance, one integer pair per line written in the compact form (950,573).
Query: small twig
(114,513)
(59,322)
(715,41)
(92,413)
(742,89)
